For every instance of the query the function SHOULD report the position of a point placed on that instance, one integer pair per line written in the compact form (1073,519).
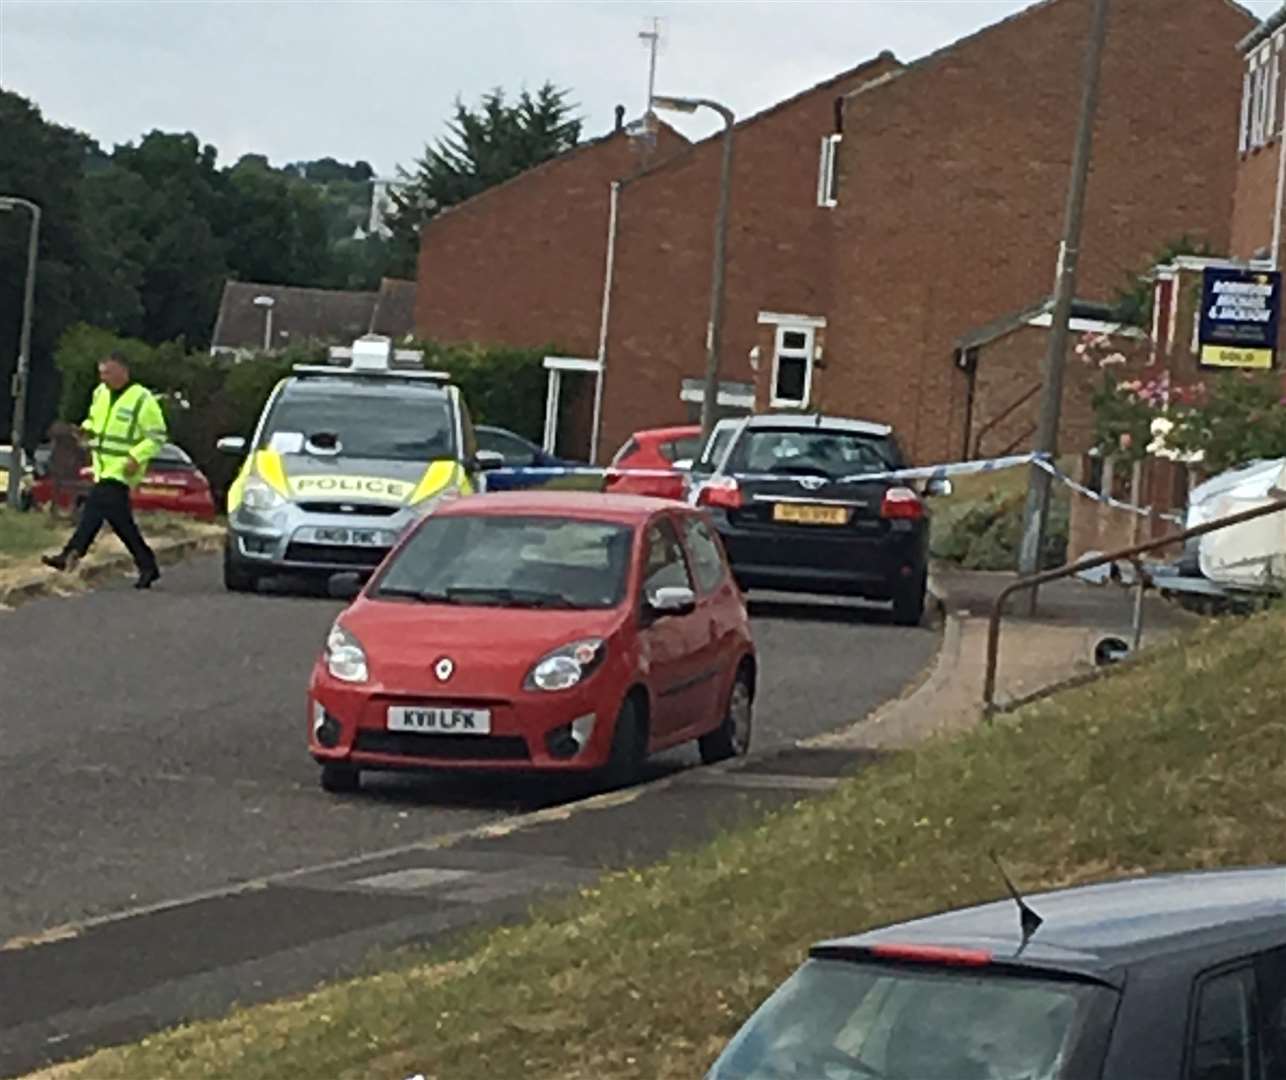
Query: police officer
(125,429)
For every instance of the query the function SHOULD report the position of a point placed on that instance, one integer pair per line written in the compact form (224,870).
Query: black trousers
(109,502)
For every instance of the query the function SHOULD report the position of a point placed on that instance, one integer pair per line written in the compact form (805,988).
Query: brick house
(951,178)
(1261,171)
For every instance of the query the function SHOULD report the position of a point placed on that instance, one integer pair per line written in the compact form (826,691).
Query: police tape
(929,473)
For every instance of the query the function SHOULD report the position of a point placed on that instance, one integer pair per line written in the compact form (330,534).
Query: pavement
(168,851)
(173,854)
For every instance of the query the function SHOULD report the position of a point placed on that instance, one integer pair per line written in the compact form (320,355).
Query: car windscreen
(402,423)
(841,1020)
(818,452)
(511,561)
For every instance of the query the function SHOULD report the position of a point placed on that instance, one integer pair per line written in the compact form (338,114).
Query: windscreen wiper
(424,596)
(532,598)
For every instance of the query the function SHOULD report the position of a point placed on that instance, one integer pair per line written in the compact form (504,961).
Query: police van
(343,459)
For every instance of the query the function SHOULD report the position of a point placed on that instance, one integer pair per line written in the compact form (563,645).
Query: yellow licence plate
(810,515)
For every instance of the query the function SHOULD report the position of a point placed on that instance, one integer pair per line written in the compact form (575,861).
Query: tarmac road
(152,746)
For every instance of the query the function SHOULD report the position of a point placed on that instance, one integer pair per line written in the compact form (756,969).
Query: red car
(657,450)
(551,631)
(173,484)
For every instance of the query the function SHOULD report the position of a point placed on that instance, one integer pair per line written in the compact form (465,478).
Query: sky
(376,79)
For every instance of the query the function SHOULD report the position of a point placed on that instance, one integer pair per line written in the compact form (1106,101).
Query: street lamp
(714,331)
(266,302)
(18,427)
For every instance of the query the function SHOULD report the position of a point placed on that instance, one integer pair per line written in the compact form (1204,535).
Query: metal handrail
(1036,580)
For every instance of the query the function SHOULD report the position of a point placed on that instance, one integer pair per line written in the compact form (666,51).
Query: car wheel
(908,602)
(732,737)
(340,778)
(629,747)
(237,578)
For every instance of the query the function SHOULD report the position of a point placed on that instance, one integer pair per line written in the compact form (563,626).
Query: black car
(1174,977)
(778,488)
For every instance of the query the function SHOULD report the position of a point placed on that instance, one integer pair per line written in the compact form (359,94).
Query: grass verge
(1175,761)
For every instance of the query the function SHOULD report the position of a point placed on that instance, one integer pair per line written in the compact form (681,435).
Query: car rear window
(511,561)
(820,452)
(849,1021)
(680,449)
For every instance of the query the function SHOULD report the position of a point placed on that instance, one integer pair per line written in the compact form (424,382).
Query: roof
(1007,324)
(299,315)
(391,383)
(590,505)
(1101,929)
(1263,31)
(885,56)
(939,54)
(813,421)
(394,314)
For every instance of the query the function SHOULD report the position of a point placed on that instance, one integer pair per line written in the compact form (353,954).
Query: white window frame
(827,190)
(806,352)
(1261,89)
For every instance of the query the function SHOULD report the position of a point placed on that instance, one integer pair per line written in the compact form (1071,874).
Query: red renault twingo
(548,631)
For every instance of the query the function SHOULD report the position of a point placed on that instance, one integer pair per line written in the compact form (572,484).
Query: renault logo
(444,669)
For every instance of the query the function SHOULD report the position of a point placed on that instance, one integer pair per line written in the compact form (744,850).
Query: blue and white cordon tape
(926,472)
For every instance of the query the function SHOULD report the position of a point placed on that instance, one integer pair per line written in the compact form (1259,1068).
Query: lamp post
(18,427)
(710,394)
(266,302)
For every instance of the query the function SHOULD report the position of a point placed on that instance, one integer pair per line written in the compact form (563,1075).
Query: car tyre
(629,747)
(732,737)
(236,578)
(340,778)
(908,602)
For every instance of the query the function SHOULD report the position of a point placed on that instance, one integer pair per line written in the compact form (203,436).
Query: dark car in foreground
(793,518)
(1173,977)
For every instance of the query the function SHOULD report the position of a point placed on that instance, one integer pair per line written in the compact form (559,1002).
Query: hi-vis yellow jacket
(132,426)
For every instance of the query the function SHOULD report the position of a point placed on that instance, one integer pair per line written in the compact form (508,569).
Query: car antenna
(1027,918)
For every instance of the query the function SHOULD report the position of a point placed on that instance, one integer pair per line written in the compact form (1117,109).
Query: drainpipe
(608,274)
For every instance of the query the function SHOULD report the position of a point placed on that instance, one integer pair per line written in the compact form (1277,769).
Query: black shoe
(64,560)
(147,578)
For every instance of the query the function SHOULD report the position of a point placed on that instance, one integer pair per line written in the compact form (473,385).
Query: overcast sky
(375,79)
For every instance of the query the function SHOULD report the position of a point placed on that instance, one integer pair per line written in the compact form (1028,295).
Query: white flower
(1162,427)
(1114,358)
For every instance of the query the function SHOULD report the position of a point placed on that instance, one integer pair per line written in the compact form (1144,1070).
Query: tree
(484,146)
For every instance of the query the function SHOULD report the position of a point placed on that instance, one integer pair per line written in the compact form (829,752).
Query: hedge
(208,396)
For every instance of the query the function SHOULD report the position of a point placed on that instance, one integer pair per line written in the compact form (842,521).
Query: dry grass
(1175,761)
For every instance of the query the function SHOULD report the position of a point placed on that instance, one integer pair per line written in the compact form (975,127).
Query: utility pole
(1037,508)
(18,428)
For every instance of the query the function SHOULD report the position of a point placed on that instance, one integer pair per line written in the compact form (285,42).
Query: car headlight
(259,496)
(566,667)
(345,657)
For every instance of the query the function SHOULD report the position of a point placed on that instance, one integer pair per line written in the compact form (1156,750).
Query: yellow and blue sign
(1240,316)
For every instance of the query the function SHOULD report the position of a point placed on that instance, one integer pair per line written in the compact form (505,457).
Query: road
(152,745)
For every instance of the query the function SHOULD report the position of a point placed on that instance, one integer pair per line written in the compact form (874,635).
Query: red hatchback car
(545,630)
(656,450)
(173,484)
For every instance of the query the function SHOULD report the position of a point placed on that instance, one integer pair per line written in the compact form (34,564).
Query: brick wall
(778,256)
(1256,194)
(952,181)
(522,263)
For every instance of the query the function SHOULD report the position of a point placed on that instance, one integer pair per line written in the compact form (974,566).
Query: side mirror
(344,586)
(233,445)
(488,460)
(938,488)
(672,600)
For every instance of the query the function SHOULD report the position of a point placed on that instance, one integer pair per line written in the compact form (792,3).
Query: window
(707,555)
(394,423)
(665,567)
(792,366)
(816,452)
(680,449)
(1223,1043)
(514,450)
(1270,973)
(827,189)
(1261,89)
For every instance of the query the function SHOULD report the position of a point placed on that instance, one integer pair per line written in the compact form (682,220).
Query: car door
(720,611)
(671,644)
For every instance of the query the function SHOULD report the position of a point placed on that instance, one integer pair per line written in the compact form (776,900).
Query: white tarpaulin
(1251,555)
